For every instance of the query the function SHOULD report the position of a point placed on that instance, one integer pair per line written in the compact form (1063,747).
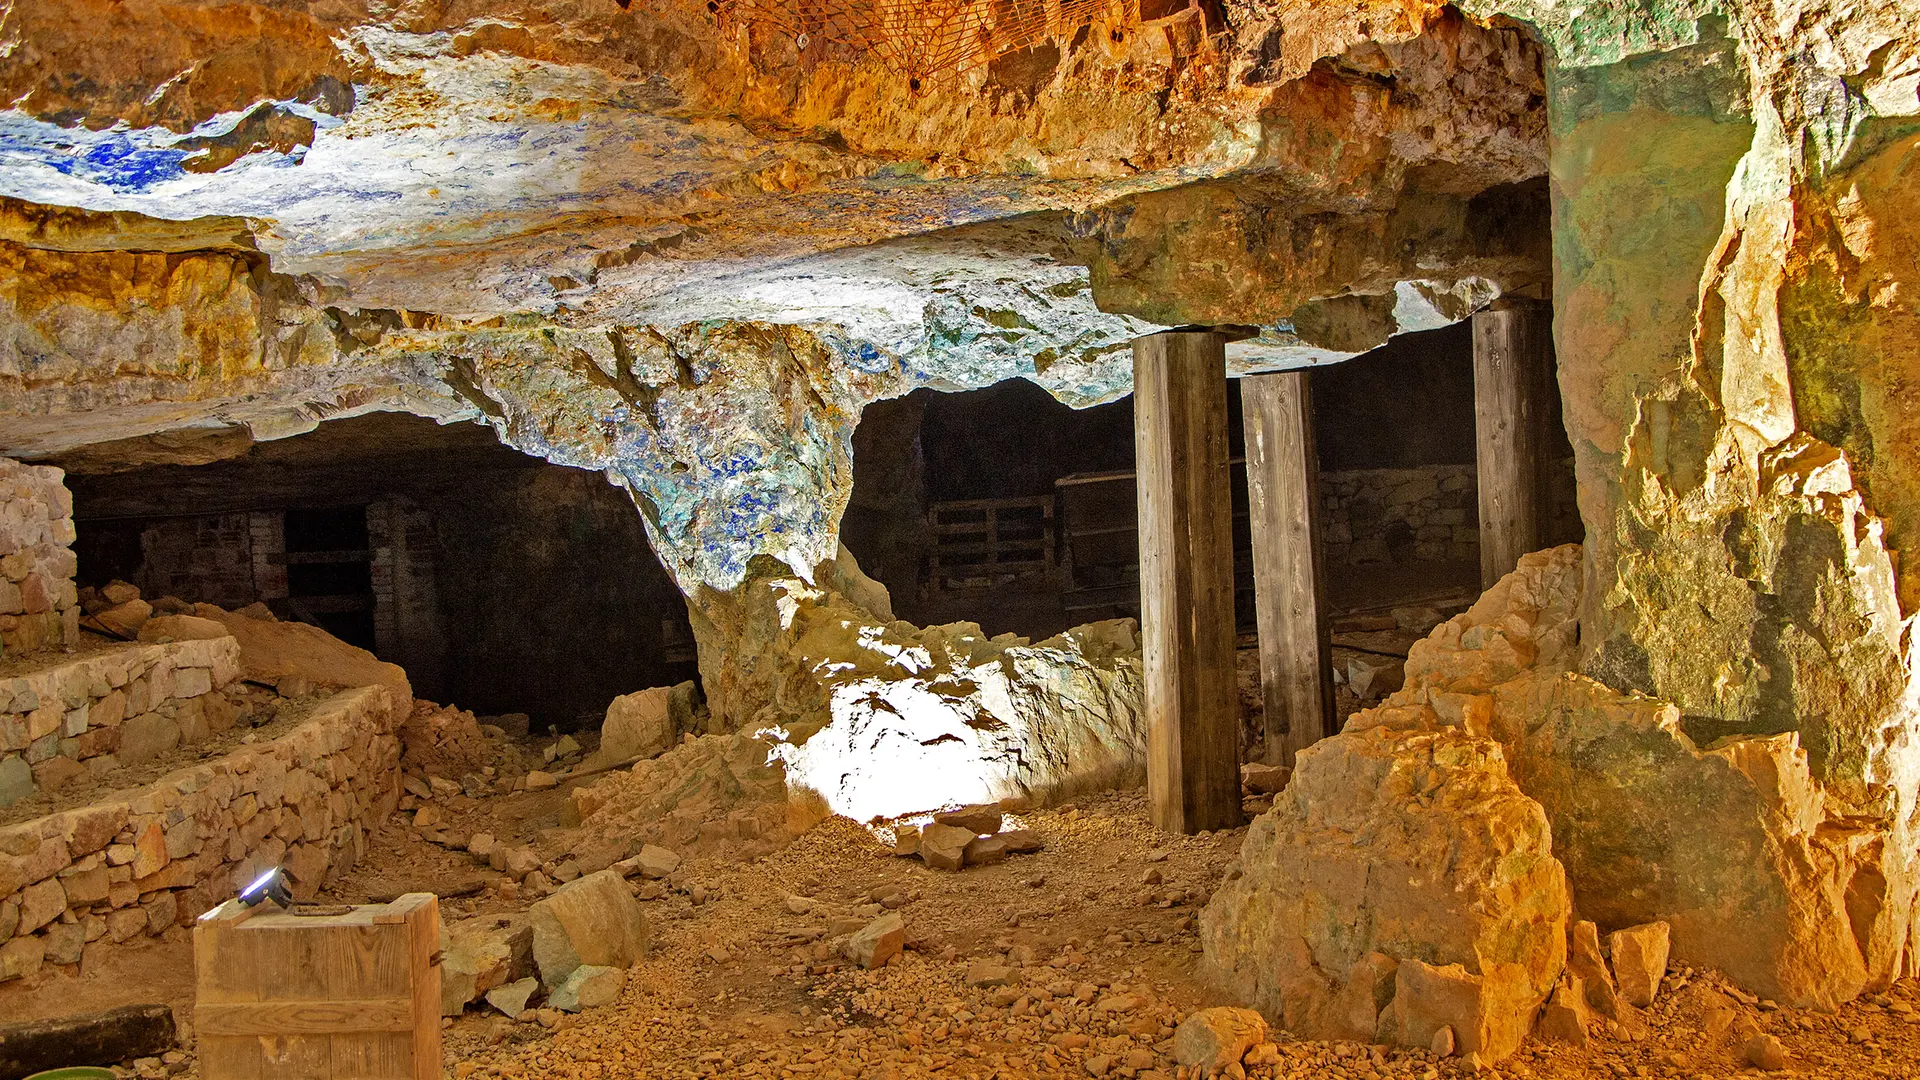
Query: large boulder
(645,723)
(271,650)
(592,920)
(480,955)
(1735,844)
(1393,855)
(893,718)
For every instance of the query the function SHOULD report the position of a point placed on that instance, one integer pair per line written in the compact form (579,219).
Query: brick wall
(39,606)
(201,559)
(227,559)
(407,626)
(1400,515)
(267,532)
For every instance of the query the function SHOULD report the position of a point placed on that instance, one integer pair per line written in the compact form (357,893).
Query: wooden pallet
(981,543)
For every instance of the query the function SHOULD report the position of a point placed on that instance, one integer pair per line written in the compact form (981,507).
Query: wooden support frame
(1512,378)
(1186,580)
(1289,577)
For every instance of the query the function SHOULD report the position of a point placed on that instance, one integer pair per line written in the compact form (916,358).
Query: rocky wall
(881,717)
(76,883)
(1552,797)
(39,606)
(88,717)
(1738,564)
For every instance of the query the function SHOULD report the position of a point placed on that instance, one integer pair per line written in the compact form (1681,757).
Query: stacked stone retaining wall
(1425,514)
(1400,515)
(39,607)
(88,716)
(76,883)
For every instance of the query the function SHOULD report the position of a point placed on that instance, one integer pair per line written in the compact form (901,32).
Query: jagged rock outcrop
(883,717)
(1759,869)
(1401,884)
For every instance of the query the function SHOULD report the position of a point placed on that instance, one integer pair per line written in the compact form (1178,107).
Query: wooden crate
(350,996)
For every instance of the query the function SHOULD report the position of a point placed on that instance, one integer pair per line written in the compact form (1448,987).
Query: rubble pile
(709,791)
(444,741)
(968,836)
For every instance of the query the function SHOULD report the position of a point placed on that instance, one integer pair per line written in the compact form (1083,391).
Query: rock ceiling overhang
(579,164)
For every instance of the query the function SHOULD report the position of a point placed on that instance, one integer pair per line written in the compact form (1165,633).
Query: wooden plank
(304,1017)
(295,968)
(1283,487)
(300,558)
(1013,501)
(1512,368)
(422,912)
(1023,545)
(1186,580)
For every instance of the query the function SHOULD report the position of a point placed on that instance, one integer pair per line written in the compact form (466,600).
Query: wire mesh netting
(925,38)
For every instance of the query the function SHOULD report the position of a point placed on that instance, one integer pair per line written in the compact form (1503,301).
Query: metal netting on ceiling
(924,39)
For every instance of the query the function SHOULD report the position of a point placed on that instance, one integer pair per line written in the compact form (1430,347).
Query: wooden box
(348,996)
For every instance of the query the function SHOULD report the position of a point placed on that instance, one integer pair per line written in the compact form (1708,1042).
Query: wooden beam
(1512,374)
(108,1038)
(1283,490)
(1186,580)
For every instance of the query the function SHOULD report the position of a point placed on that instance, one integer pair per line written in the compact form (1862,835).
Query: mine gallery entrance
(499,581)
(1005,507)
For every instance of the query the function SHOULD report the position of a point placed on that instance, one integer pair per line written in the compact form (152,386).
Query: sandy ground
(1098,929)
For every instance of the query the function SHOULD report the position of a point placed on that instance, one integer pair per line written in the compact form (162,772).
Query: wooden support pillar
(1512,376)
(1283,489)
(1186,580)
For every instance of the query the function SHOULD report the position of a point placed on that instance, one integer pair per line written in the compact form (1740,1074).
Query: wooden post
(1512,368)
(1186,580)
(1283,489)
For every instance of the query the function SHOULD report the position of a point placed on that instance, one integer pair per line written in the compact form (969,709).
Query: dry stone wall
(1397,515)
(76,883)
(39,607)
(90,716)
(1426,514)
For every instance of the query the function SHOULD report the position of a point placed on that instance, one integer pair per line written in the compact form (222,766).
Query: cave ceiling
(583,166)
(687,253)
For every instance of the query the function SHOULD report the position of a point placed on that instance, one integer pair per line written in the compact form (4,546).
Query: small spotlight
(271,885)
